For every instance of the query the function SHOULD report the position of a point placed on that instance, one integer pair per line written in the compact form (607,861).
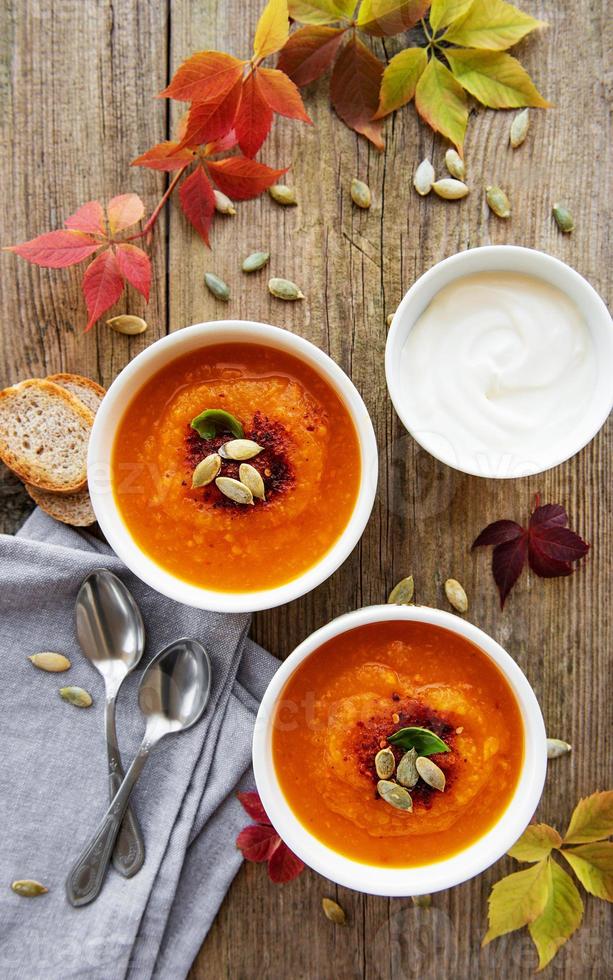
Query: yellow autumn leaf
(536,842)
(560,917)
(494,78)
(272,30)
(444,12)
(518,899)
(400,80)
(592,819)
(593,865)
(321,11)
(384,18)
(491,24)
(441,101)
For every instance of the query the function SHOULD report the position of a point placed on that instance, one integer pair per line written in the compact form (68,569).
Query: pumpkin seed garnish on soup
(234,490)
(430,773)
(406,773)
(206,470)
(252,479)
(397,796)
(385,763)
(238,449)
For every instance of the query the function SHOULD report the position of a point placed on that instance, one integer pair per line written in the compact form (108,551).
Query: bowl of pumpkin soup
(399,750)
(232,466)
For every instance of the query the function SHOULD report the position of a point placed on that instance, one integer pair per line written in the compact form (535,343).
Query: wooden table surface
(77,85)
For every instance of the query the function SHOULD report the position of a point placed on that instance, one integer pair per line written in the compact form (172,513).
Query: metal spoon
(173,694)
(112,636)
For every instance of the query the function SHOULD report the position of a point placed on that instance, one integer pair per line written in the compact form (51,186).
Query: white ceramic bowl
(432,877)
(507,258)
(140,370)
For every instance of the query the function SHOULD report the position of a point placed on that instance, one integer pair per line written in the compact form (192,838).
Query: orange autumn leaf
(102,285)
(206,75)
(282,95)
(254,117)
(272,30)
(384,18)
(198,202)
(164,156)
(309,52)
(124,211)
(241,178)
(89,218)
(210,120)
(354,90)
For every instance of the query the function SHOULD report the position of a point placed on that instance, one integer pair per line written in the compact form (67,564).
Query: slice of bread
(90,393)
(70,508)
(44,432)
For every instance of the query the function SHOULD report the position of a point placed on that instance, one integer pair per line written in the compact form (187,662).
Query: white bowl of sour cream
(499,361)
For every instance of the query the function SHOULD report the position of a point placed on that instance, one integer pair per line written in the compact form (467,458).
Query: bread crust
(69,508)
(79,381)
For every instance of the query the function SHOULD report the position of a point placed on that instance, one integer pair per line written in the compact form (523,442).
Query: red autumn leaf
(209,120)
(283,865)
(226,142)
(123,211)
(557,544)
(57,249)
(241,178)
(507,562)
(252,804)
(258,842)
(135,266)
(498,532)
(206,75)
(384,18)
(89,218)
(198,201)
(281,94)
(102,285)
(549,515)
(164,156)
(354,90)
(254,117)
(309,52)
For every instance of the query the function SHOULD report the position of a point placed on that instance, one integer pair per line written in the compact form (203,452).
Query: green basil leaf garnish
(425,741)
(214,420)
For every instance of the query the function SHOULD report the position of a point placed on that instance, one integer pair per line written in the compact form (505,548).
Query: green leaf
(518,899)
(560,917)
(320,11)
(400,80)
(422,739)
(536,842)
(494,78)
(384,18)
(441,101)
(592,819)
(593,865)
(214,420)
(444,12)
(491,24)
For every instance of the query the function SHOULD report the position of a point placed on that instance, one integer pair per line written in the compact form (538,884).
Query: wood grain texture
(77,85)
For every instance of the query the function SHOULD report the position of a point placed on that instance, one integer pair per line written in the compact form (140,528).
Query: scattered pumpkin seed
(283,194)
(360,193)
(255,261)
(252,478)
(406,773)
(389,318)
(223,204)
(234,490)
(455,164)
(397,796)
(385,763)
(423,178)
(217,286)
(127,324)
(403,592)
(564,218)
(239,449)
(29,888)
(284,289)
(422,901)
(450,189)
(206,470)
(456,595)
(333,911)
(76,696)
(519,128)
(556,747)
(498,202)
(55,663)
(430,772)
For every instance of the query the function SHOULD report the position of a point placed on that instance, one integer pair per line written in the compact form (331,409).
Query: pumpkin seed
(556,748)
(217,286)
(333,911)
(450,188)
(223,204)
(385,763)
(397,796)
(252,478)
(239,449)
(455,164)
(422,901)
(389,318)
(29,888)
(406,773)
(76,696)
(430,772)
(456,595)
(234,490)
(55,663)
(206,470)
(519,128)
(360,193)
(498,202)
(284,289)
(423,178)
(127,324)
(403,592)
(255,261)
(564,218)
(283,194)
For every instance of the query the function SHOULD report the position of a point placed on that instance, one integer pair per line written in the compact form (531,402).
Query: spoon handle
(87,875)
(129,853)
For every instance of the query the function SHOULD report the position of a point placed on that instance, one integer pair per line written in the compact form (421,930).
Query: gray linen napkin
(53,781)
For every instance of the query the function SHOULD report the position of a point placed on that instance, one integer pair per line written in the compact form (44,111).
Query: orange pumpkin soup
(341,706)
(308,459)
